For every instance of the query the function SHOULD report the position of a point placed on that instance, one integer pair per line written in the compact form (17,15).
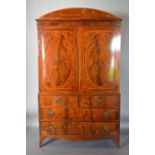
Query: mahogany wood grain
(79,131)
(78,114)
(100,68)
(58,69)
(99,101)
(79,75)
(51,101)
(82,14)
(81,128)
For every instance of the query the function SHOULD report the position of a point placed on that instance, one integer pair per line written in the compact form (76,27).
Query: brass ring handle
(51,113)
(98,100)
(106,114)
(106,129)
(58,100)
(52,129)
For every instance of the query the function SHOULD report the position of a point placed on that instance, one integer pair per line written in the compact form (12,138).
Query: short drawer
(105,115)
(58,101)
(99,101)
(74,128)
(79,114)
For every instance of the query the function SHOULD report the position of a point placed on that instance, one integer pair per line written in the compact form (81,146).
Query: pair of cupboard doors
(79,56)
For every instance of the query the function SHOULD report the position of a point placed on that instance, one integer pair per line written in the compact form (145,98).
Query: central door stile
(77,53)
(78,63)
(80,48)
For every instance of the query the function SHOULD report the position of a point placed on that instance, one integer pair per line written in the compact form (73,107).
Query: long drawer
(81,128)
(78,114)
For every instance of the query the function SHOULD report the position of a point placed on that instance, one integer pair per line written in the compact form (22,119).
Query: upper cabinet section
(79,51)
(78,14)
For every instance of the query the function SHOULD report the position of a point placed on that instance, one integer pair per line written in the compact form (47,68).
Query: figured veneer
(58,101)
(99,101)
(81,128)
(78,114)
(58,68)
(79,75)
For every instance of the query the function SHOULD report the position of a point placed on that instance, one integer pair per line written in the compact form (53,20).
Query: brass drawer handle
(58,100)
(106,114)
(98,100)
(106,129)
(51,113)
(52,129)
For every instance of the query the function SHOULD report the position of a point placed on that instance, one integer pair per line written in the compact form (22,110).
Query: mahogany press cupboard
(79,75)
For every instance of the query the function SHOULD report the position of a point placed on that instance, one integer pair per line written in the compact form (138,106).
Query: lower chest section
(79,115)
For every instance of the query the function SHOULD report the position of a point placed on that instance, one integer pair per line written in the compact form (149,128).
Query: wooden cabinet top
(78,14)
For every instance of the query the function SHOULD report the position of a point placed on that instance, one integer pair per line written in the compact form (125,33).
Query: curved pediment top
(79,14)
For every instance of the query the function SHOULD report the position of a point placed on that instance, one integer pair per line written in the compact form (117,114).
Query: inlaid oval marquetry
(100,61)
(58,59)
(58,65)
(98,56)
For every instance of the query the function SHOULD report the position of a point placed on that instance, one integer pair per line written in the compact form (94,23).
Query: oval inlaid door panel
(99,55)
(58,60)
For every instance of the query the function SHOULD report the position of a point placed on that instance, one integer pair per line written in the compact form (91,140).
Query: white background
(13,77)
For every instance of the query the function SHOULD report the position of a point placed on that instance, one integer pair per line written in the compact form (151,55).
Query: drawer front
(78,114)
(74,128)
(58,101)
(105,115)
(99,101)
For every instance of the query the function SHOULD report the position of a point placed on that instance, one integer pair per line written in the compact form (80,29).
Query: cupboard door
(99,59)
(58,65)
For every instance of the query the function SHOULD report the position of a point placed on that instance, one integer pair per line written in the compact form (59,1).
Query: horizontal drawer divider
(69,107)
(80,94)
(80,121)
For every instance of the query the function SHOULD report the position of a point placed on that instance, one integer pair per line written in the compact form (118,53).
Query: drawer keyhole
(52,129)
(51,113)
(106,114)
(99,100)
(58,100)
(106,129)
